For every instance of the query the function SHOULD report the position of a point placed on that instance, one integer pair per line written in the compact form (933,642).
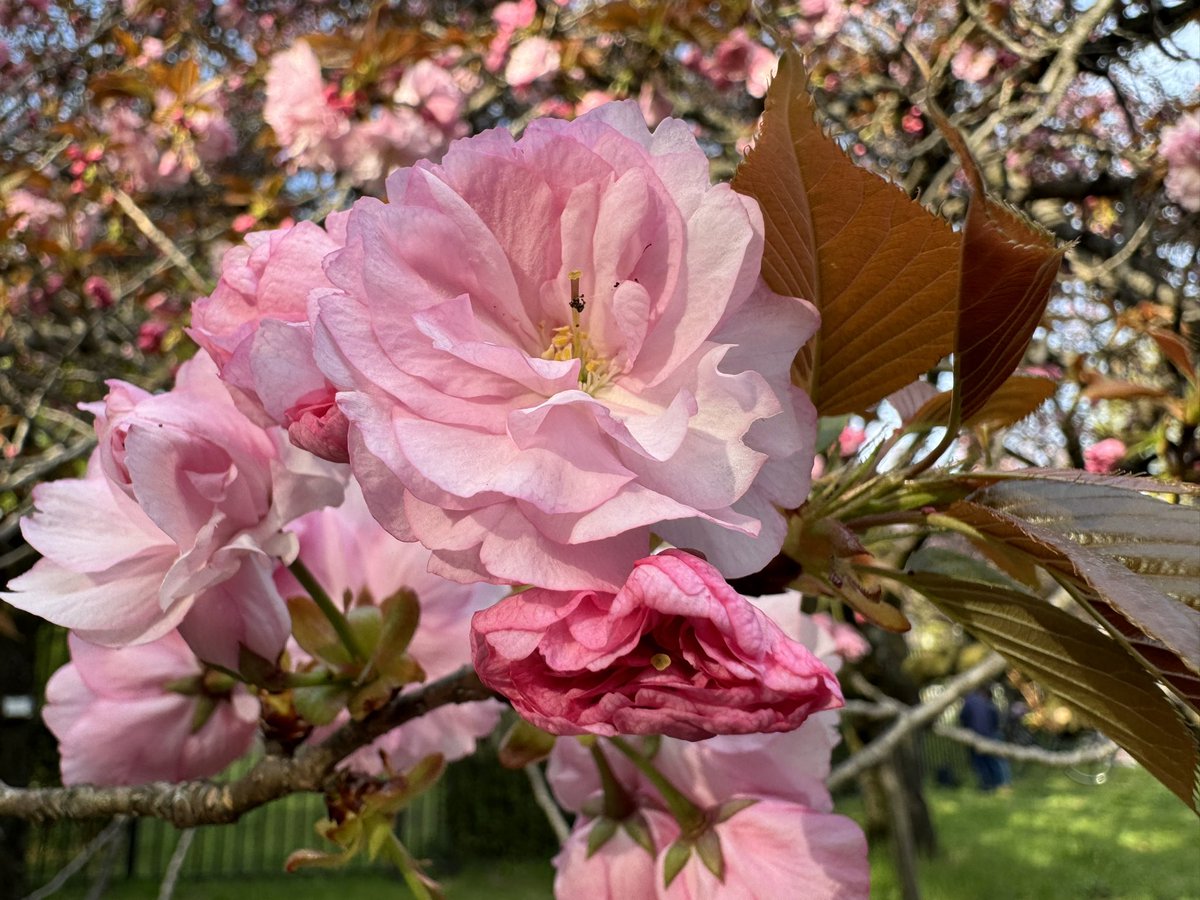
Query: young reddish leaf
(882,270)
(1007,270)
(1175,349)
(1017,398)
(1082,665)
(1141,483)
(1093,539)
(1100,387)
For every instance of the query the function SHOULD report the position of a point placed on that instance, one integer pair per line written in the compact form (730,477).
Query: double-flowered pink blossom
(676,652)
(307,116)
(351,556)
(255,326)
(620,869)
(549,348)
(178,524)
(1104,456)
(146,713)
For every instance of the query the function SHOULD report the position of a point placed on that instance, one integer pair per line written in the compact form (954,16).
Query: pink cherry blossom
(772,843)
(524,442)
(851,645)
(305,115)
(1104,456)
(533,58)
(739,59)
(255,326)
(620,870)
(509,18)
(118,723)
(675,652)
(974,64)
(1180,147)
(177,524)
(350,554)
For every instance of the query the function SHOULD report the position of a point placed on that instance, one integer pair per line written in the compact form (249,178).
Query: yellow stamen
(660,661)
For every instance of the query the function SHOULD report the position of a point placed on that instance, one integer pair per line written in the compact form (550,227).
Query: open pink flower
(178,524)
(772,843)
(118,723)
(533,58)
(676,652)
(255,326)
(306,118)
(351,555)
(526,440)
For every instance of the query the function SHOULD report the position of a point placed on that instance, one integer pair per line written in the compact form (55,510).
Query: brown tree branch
(205,802)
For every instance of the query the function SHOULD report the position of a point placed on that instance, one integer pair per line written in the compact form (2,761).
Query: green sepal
(708,848)
(188,685)
(731,808)
(202,712)
(602,832)
(677,856)
(259,670)
(639,832)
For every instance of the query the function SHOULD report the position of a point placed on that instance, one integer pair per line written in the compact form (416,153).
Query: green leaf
(881,269)
(314,633)
(1081,664)
(320,704)
(523,744)
(1133,560)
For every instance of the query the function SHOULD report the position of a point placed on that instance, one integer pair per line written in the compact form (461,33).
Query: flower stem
(339,622)
(690,817)
(617,802)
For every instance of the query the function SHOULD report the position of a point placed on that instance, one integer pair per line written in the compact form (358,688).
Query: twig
(160,240)
(541,794)
(55,884)
(167,889)
(914,718)
(1059,759)
(204,802)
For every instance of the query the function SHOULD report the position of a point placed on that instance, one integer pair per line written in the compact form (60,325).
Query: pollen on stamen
(569,342)
(660,661)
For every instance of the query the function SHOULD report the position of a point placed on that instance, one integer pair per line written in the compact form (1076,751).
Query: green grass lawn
(1054,839)
(1051,839)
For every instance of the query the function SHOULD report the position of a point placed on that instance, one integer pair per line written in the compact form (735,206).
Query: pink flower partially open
(117,723)
(524,439)
(178,524)
(255,326)
(676,652)
(1181,149)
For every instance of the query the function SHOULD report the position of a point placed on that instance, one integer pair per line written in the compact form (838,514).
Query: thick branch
(192,803)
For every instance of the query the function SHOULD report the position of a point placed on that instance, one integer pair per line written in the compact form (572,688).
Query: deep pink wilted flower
(676,651)
(548,348)
(177,525)
(118,722)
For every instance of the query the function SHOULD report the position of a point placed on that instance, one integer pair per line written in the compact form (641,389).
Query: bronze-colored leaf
(1175,349)
(1017,398)
(1081,664)
(1100,387)
(1133,560)
(882,270)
